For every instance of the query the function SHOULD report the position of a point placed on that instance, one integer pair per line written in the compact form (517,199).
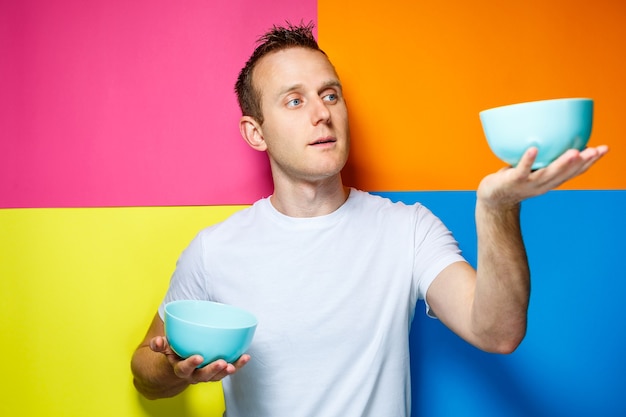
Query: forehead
(293,66)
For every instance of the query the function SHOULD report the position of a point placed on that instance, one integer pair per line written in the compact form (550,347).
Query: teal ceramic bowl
(212,330)
(552,126)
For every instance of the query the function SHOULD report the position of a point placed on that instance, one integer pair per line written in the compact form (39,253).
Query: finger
(219,370)
(586,157)
(562,169)
(234,367)
(576,162)
(591,155)
(185,368)
(528,159)
(564,162)
(602,149)
(214,371)
(243,359)
(571,164)
(566,159)
(228,370)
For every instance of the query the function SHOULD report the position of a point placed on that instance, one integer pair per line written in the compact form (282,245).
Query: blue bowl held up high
(552,126)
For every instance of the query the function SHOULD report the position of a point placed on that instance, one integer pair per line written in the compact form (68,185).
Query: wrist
(497,207)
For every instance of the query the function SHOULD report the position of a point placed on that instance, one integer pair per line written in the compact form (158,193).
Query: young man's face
(305,125)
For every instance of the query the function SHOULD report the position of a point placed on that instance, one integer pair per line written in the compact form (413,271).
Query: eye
(331,97)
(294,102)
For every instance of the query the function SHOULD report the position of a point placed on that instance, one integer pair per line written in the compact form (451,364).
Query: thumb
(526,162)
(159,344)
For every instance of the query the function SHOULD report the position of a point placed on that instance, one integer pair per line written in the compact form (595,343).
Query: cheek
(278,136)
(284,130)
(340,118)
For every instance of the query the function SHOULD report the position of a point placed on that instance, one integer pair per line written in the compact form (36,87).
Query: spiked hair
(276,39)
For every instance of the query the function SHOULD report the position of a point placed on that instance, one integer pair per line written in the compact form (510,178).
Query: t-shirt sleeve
(435,249)
(188,282)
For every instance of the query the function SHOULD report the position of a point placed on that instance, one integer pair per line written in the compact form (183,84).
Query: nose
(320,112)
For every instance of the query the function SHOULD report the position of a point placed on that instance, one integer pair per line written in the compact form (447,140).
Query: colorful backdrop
(119,141)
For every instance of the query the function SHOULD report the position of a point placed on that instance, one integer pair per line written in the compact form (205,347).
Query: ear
(252,133)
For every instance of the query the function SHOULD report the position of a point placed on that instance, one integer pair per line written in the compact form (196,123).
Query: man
(333,273)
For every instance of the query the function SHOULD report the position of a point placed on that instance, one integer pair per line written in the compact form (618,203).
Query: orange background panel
(416,75)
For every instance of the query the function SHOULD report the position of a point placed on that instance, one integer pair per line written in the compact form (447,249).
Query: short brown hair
(276,39)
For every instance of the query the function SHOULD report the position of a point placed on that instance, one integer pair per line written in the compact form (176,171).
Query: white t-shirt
(334,295)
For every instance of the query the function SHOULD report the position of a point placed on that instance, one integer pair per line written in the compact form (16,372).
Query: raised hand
(511,185)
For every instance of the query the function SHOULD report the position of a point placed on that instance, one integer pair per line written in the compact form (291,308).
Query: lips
(322,141)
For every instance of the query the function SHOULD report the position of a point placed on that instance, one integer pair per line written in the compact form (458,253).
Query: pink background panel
(129,103)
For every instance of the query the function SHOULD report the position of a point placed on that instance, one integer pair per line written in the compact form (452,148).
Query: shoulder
(231,226)
(377,204)
(244,217)
(400,217)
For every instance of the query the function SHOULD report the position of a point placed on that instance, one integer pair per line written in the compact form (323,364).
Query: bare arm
(159,373)
(488,307)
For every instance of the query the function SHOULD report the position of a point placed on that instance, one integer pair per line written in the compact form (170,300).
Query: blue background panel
(571,362)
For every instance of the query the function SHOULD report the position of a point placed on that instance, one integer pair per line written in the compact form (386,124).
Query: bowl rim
(522,103)
(254,321)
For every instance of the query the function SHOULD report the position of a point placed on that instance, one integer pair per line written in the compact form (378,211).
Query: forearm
(154,376)
(499,309)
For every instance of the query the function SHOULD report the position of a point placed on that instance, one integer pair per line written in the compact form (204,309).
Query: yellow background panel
(79,288)
(417,73)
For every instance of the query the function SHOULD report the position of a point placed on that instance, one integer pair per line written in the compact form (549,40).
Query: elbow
(144,393)
(505,345)
(501,341)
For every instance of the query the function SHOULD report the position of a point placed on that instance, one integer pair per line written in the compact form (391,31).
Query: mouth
(323,141)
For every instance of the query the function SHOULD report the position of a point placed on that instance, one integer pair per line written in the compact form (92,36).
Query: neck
(308,199)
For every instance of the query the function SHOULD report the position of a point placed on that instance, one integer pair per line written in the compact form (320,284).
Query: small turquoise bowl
(209,329)
(552,126)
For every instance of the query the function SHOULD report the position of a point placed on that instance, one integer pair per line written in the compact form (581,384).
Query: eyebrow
(332,83)
(327,84)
